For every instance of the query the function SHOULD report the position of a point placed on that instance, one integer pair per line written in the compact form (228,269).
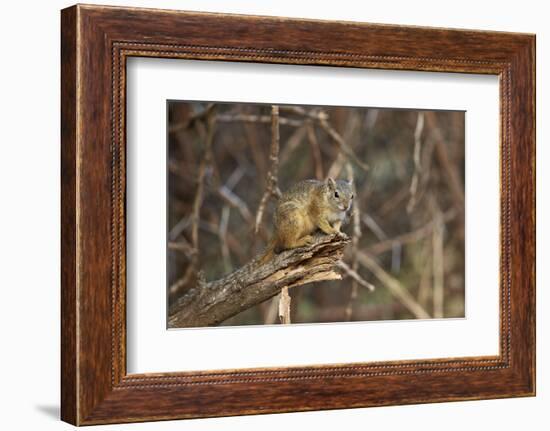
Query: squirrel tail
(269,252)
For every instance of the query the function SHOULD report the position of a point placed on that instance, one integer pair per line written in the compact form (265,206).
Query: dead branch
(193,118)
(425,283)
(195,215)
(236,202)
(416,158)
(351,135)
(284,306)
(210,303)
(354,275)
(272,189)
(226,193)
(183,246)
(313,114)
(256,150)
(438,261)
(249,118)
(374,227)
(448,167)
(179,227)
(197,203)
(315,151)
(292,144)
(394,286)
(321,118)
(415,235)
(356,236)
(222,233)
(335,136)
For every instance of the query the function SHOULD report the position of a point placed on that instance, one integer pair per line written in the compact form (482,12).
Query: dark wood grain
(96,41)
(68,218)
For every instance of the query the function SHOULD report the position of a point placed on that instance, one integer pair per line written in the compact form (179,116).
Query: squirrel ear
(331,183)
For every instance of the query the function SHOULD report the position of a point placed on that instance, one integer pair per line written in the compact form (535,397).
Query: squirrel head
(339,194)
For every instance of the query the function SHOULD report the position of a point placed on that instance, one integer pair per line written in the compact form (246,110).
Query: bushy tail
(269,252)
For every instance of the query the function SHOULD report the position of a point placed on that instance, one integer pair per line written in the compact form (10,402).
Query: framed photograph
(264,215)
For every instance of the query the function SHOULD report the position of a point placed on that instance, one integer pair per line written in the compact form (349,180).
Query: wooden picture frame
(95,43)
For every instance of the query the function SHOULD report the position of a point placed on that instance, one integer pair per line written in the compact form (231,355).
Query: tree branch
(206,162)
(449,168)
(210,303)
(272,189)
(394,286)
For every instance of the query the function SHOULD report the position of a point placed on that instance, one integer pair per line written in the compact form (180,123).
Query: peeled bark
(210,303)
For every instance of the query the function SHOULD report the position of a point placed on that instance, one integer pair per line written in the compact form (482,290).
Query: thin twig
(354,275)
(194,117)
(313,114)
(450,169)
(292,143)
(236,202)
(394,286)
(335,136)
(396,251)
(315,151)
(424,285)
(222,233)
(205,163)
(351,129)
(438,263)
(356,236)
(183,246)
(256,150)
(179,227)
(416,158)
(321,118)
(197,203)
(235,177)
(408,237)
(250,118)
(272,189)
(374,227)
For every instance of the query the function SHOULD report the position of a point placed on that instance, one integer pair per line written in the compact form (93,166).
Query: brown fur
(306,207)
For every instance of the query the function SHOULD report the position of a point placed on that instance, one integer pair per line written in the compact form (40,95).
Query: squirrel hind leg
(289,231)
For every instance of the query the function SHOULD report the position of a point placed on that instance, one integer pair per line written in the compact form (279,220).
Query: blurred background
(407,225)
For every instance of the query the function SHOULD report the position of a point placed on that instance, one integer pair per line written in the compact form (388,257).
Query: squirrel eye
(336,194)
(352,196)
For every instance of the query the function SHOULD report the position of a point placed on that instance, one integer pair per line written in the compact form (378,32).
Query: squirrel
(307,206)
